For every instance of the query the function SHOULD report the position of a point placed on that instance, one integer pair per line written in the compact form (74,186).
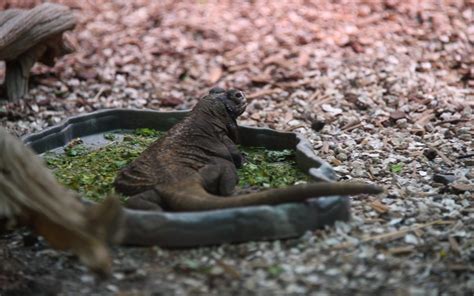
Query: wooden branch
(28,36)
(7,15)
(31,196)
(18,72)
(30,27)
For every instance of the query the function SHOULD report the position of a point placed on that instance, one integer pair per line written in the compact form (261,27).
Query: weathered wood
(18,72)
(7,15)
(27,36)
(29,27)
(30,195)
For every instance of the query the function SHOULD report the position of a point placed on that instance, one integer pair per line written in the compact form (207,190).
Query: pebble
(342,156)
(86,279)
(112,288)
(430,153)
(411,239)
(402,123)
(317,125)
(444,179)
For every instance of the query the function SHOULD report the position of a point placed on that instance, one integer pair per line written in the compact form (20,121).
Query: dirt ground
(384,90)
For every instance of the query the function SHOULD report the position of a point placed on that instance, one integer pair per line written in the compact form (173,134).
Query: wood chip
(303,59)
(325,148)
(453,121)
(262,93)
(278,60)
(425,118)
(352,125)
(460,267)
(215,74)
(379,207)
(263,79)
(297,127)
(99,93)
(463,187)
(322,100)
(454,244)
(336,162)
(401,233)
(401,250)
(237,68)
(395,115)
(294,84)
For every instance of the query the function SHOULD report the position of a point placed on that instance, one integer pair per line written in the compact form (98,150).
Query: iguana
(193,167)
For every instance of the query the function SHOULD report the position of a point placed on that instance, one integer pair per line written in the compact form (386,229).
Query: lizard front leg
(148,201)
(234,151)
(220,177)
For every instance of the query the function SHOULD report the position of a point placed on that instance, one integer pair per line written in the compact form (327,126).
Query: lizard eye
(238,100)
(236,96)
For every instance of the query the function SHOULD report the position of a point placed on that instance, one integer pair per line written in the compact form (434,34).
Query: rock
(317,125)
(396,115)
(170,102)
(29,240)
(112,288)
(411,239)
(330,109)
(358,169)
(430,153)
(87,279)
(360,102)
(402,123)
(341,156)
(444,179)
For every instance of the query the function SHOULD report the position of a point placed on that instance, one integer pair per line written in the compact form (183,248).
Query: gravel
(384,91)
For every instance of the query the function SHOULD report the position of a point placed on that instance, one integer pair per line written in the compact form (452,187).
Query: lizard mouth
(234,101)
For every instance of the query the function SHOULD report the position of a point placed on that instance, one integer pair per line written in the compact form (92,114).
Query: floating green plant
(91,172)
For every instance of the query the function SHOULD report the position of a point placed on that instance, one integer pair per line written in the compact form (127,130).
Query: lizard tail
(197,199)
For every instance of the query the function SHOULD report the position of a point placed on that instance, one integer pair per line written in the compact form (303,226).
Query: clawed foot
(146,201)
(239,160)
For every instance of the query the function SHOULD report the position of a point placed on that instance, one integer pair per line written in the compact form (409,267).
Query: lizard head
(234,100)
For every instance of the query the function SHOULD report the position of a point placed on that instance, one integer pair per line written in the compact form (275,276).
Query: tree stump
(31,196)
(28,36)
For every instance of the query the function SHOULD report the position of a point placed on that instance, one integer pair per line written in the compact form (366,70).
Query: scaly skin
(194,165)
